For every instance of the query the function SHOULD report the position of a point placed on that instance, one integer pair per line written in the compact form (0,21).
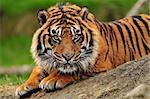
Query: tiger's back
(126,39)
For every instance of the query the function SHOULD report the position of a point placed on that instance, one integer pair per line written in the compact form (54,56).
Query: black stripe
(74,27)
(39,46)
(69,23)
(84,16)
(50,41)
(74,15)
(138,26)
(106,54)
(112,46)
(56,12)
(82,36)
(111,40)
(147,28)
(144,22)
(89,52)
(81,28)
(55,15)
(68,11)
(91,38)
(130,52)
(44,36)
(70,19)
(105,29)
(130,36)
(79,22)
(57,27)
(72,8)
(101,30)
(137,41)
(52,10)
(106,38)
(132,58)
(109,35)
(114,35)
(89,19)
(98,24)
(147,50)
(49,29)
(54,21)
(123,38)
(86,38)
(45,50)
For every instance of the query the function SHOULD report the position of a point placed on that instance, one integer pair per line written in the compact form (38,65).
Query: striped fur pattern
(65,20)
(126,39)
(72,44)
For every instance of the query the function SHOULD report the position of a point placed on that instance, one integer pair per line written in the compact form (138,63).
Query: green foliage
(103,9)
(14,50)
(21,6)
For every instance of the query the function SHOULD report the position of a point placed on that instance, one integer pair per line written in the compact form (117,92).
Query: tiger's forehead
(64,8)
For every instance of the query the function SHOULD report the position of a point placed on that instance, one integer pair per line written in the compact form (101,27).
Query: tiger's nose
(67,56)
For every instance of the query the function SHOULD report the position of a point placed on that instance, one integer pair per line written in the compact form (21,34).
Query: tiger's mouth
(49,62)
(68,66)
(78,64)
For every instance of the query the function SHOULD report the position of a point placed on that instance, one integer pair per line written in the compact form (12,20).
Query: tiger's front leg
(56,80)
(32,83)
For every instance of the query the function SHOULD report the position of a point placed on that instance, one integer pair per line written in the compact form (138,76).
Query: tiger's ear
(84,13)
(42,16)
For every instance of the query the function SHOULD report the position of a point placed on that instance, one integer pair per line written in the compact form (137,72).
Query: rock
(141,91)
(128,81)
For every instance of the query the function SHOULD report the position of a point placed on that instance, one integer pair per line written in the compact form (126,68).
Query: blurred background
(18,22)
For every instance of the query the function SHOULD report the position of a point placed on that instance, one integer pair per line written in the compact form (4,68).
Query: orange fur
(107,44)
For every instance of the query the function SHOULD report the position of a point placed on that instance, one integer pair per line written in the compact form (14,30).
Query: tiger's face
(67,40)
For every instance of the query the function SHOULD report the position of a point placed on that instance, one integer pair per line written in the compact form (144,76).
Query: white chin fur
(67,70)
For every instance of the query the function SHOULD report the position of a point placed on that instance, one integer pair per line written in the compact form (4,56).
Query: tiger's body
(126,39)
(72,44)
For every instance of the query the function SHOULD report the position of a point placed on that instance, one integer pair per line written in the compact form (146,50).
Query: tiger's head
(68,39)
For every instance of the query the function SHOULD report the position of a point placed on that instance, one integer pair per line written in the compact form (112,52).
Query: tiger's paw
(56,81)
(24,89)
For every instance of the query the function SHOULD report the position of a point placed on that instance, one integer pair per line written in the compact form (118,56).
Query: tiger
(71,44)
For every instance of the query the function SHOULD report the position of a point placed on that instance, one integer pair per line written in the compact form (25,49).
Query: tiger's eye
(53,31)
(77,31)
